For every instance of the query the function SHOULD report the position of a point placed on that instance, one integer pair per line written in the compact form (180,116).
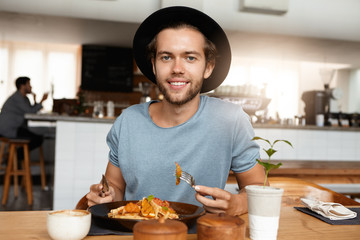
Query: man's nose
(178,66)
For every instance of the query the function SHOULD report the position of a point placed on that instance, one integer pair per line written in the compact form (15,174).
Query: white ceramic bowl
(68,224)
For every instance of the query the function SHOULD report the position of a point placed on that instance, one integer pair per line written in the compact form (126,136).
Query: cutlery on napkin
(333,211)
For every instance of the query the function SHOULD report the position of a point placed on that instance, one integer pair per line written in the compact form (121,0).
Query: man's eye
(166,58)
(190,58)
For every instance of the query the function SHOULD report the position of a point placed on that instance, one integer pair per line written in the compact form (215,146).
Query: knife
(105,184)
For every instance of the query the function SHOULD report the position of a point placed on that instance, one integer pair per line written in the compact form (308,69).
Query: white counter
(53,117)
(313,143)
(81,157)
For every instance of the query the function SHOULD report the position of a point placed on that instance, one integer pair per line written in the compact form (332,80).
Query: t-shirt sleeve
(112,141)
(245,151)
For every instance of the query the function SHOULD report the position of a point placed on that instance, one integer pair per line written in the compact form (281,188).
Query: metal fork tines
(187,178)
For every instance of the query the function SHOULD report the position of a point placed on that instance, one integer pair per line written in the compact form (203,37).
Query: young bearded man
(185,53)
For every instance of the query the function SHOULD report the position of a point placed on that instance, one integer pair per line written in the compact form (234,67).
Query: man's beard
(191,94)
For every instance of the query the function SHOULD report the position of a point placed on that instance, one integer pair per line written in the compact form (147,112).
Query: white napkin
(333,211)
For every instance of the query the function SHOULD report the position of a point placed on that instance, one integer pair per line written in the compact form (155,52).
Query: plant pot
(264,203)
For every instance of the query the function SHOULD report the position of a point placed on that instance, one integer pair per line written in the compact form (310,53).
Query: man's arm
(255,176)
(116,187)
(116,180)
(23,104)
(224,201)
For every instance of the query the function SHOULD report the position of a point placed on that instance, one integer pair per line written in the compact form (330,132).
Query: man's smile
(178,83)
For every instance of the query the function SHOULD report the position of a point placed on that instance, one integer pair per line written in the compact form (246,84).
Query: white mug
(320,119)
(68,224)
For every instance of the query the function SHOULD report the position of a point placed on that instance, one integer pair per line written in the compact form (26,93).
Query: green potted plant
(264,202)
(270,151)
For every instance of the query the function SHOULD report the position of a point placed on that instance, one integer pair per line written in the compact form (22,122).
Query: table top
(294,225)
(58,117)
(53,117)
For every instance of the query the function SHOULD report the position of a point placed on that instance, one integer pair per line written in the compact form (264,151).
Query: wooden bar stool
(12,168)
(11,171)
(3,143)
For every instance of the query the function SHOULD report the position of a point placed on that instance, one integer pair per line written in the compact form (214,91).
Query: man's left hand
(222,201)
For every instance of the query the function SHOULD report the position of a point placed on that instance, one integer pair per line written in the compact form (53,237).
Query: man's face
(27,87)
(180,65)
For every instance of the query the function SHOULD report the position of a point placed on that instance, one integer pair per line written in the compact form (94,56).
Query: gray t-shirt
(216,139)
(12,114)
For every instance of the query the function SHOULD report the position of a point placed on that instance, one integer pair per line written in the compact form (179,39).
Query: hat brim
(158,20)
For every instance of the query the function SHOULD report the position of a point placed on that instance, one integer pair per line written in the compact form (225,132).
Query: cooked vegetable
(147,208)
(178,173)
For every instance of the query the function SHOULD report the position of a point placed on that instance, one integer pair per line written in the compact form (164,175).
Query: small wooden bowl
(220,226)
(160,230)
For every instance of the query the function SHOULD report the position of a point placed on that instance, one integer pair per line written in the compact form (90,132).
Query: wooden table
(319,172)
(293,225)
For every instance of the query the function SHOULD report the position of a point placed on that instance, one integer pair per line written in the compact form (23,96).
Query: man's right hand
(96,196)
(45,96)
(34,96)
(116,187)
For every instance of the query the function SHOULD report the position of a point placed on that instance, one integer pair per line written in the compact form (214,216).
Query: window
(52,68)
(267,79)
(3,73)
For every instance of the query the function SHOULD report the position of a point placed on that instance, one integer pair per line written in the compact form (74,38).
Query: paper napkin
(333,211)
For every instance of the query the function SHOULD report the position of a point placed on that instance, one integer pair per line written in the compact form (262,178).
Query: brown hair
(209,47)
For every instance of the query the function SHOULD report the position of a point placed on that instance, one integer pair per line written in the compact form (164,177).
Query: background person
(12,117)
(185,53)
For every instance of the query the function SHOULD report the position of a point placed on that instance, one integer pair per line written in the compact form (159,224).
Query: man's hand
(96,196)
(34,97)
(222,201)
(45,96)
(116,187)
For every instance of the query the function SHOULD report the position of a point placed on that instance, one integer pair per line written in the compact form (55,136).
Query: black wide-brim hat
(164,17)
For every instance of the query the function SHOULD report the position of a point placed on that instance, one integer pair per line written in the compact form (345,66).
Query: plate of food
(123,215)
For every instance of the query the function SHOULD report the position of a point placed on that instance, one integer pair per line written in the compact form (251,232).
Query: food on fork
(147,208)
(178,173)
(181,175)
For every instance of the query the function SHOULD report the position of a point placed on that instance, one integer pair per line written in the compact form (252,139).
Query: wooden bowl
(160,230)
(220,226)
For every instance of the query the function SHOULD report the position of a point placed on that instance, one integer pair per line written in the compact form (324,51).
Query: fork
(187,178)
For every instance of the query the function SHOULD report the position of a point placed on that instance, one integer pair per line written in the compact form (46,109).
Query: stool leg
(8,174)
(22,184)
(15,170)
(2,150)
(42,168)
(27,174)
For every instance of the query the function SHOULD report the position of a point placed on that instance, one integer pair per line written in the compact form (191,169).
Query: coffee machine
(315,103)
(322,102)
